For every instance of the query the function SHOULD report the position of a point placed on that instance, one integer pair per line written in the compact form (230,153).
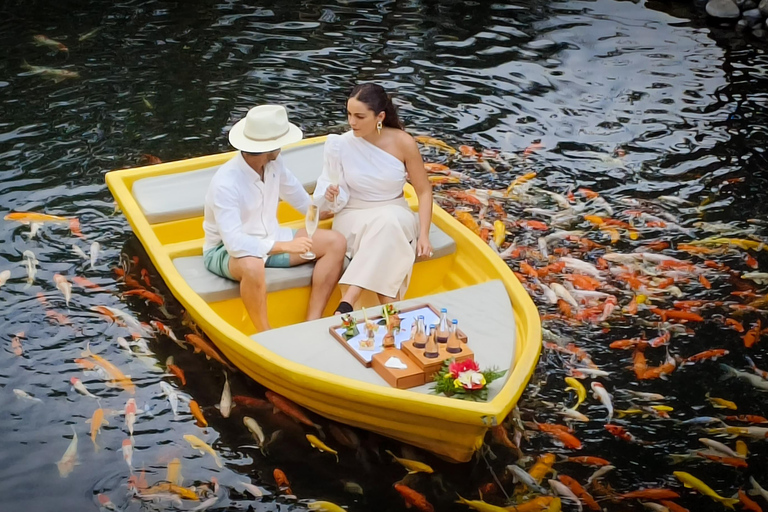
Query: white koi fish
(599,393)
(64,286)
(173,397)
(79,252)
(68,461)
(562,293)
(5,275)
(80,388)
(95,249)
(565,492)
(225,405)
(34,227)
(581,266)
(20,393)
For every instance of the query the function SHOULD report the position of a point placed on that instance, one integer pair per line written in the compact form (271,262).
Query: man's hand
(298,245)
(331,192)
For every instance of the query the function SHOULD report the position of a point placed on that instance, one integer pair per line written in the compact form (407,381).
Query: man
(242,234)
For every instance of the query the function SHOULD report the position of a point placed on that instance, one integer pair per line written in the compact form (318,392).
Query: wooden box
(431,365)
(402,379)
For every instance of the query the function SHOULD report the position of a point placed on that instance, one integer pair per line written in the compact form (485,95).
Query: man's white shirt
(241,209)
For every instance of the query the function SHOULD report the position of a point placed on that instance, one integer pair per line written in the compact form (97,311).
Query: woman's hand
(423,247)
(331,193)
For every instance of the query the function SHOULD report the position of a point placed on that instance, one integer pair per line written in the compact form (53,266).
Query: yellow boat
(302,360)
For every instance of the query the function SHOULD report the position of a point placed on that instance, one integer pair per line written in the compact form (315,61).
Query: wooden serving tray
(366,356)
(430,366)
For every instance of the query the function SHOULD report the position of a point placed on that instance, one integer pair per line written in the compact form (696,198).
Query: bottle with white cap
(443,329)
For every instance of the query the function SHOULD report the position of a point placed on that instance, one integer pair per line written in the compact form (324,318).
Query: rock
(759,33)
(748,4)
(723,9)
(742,25)
(763,7)
(753,13)
(739,3)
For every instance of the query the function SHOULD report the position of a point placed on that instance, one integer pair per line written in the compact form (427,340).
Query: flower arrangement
(350,326)
(464,380)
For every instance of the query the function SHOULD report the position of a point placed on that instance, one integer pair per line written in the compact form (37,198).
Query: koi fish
(203,447)
(316,443)
(542,467)
(414,499)
(64,286)
(20,393)
(282,481)
(325,506)
(79,252)
(755,380)
(197,413)
(499,233)
(599,393)
(527,479)
(736,462)
(200,345)
(692,482)
(80,388)
(413,466)
(41,40)
(622,434)
(578,387)
(249,401)
(162,328)
(752,336)
(57,75)
(68,461)
(130,415)
(94,253)
(721,403)
(118,377)
(290,409)
(173,397)
(175,370)
(650,494)
(89,34)
(28,217)
(256,431)
(579,491)
(480,505)
(564,492)
(225,404)
(96,421)
(562,434)
(468,221)
(127,448)
(435,143)
(165,487)
(748,503)
(708,354)
(173,472)
(587,460)
(5,275)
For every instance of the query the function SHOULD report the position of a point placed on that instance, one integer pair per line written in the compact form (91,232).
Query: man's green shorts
(216,260)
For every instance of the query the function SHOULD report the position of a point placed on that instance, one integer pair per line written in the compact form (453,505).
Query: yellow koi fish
(325,506)
(435,143)
(692,482)
(96,421)
(317,443)
(203,447)
(164,487)
(480,505)
(173,474)
(413,466)
(118,377)
(741,243)
(542,467)
(519,181)
(499,233)
(578,387)
(29,217)
(721,403)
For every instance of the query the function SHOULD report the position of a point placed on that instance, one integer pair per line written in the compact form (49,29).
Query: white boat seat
(213,288)
(182,196)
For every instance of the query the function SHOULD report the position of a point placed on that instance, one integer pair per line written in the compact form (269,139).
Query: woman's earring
(378,127)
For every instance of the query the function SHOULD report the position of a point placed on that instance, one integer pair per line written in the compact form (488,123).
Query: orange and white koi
(130,415)
(41,40)
(127,448)
(16,347)
(599,392)
(80,388)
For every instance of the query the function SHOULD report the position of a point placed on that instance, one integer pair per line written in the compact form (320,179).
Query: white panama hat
(265,128)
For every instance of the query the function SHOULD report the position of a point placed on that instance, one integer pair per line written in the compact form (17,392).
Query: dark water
(685,101)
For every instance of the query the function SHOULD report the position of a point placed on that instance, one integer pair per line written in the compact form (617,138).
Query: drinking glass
(310,222)
(333,177)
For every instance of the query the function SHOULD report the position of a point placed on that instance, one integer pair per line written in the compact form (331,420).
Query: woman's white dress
(371,212)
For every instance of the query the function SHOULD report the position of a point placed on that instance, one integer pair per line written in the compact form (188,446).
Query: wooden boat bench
(213,288)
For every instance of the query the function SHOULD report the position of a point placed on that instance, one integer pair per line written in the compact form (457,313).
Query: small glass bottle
(420,337)
(443,329)
(431,351)
(454,343)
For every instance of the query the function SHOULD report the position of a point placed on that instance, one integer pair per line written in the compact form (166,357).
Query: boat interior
(172,203)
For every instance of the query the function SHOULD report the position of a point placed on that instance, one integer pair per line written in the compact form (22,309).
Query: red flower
(457,368)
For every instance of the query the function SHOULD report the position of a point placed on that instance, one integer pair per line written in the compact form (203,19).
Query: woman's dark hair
(377,99)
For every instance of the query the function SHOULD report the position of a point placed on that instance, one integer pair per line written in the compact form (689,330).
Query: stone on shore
(723,9)
(755,14)
(763,7)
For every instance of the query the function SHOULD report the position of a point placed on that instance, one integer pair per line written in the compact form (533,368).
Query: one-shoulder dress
(371,212)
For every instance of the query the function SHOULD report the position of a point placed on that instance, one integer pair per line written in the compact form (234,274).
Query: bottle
(431,351)
(420,337)
(454,343)
(443,329)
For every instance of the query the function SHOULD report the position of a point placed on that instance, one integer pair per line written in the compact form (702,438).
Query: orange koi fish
(467,220)
(175,370)
(116,375)
(197,413)
(736,462)
(74,227)
(29,217)
(753,335)
(650,494)
(588,460)
(562,434)
(18,350)
(200,345)
(501,436)
(282,481)
(414,499)
(434,167)
(676,315)
(249,401)
(96,421)
(707,354)
(747,418)
(622,434)
(748,503)
(579,491)
(289,408)
(85,283)
(146,295)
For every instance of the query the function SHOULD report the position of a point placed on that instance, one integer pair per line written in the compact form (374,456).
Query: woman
(362,182)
